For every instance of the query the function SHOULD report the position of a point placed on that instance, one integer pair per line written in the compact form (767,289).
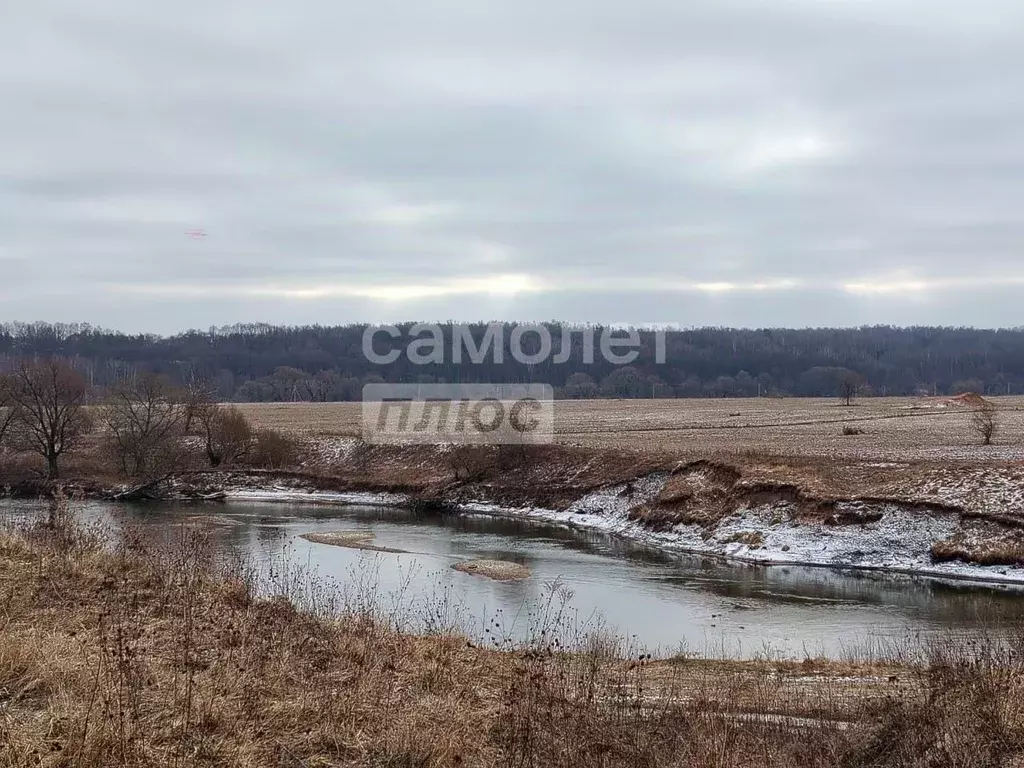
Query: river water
(659,601)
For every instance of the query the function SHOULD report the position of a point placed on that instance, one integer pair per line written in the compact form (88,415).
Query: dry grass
(900,429)
(158,653)
(986,554)
(983,542)
(155,654)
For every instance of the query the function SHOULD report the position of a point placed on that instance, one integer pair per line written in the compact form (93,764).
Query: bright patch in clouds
(785,150)
(493,285)
(885,286)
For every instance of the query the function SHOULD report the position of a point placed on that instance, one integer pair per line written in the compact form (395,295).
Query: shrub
(471,462)
(227,434)
(274,450)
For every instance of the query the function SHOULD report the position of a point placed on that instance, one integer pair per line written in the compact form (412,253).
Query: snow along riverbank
(894,537)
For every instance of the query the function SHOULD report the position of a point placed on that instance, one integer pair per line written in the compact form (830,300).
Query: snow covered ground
(899,542)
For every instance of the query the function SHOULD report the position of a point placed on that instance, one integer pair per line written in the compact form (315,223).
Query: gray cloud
(788,162)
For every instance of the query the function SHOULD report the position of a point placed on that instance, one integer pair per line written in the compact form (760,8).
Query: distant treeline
(259,362)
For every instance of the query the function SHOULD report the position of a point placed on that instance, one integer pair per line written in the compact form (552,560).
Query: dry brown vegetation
(145,426)
(985,542)
(142,431)
(993,553)
(985,422)
(144,652)
(44,413)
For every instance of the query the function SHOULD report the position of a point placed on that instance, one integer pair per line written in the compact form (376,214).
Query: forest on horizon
(265,363)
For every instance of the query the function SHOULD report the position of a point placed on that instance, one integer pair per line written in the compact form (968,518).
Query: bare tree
(850,383)
(321,385)
(146,423)
(197,393)
(290,385)
(7,407)
(985,423)
(49,418)
(227,434)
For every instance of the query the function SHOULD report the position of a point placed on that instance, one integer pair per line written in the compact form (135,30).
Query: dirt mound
(969,400)
(966,400)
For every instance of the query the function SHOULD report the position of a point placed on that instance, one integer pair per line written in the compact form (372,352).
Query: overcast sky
(764,162)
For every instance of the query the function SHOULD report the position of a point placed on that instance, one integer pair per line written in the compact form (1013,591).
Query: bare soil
(499,570)
(894,429)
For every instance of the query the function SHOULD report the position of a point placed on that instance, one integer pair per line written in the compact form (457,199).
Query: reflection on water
(665,600)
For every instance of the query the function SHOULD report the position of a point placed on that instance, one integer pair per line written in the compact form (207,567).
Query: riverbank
(943,522)
(899,541)
(158,652)
(940,521)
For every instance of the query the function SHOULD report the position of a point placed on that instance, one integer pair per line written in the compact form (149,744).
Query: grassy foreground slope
(144,652)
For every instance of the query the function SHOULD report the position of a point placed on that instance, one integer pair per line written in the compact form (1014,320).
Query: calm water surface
(665,601)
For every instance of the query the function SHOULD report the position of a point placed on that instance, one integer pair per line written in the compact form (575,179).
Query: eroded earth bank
(945,520)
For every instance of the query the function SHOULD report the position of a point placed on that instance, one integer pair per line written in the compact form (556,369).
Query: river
(660,601)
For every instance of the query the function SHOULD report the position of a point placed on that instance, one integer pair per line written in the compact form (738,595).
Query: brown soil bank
(499,570)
